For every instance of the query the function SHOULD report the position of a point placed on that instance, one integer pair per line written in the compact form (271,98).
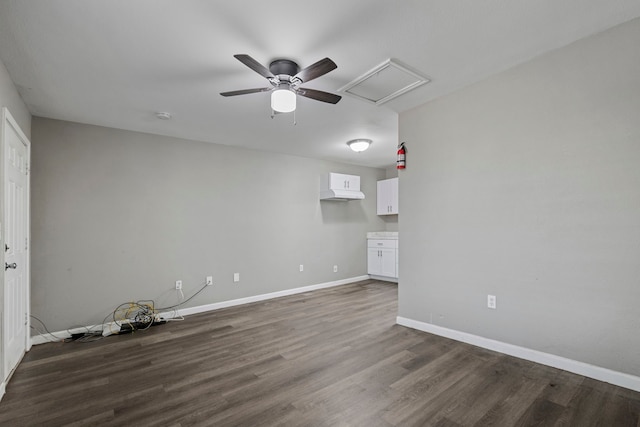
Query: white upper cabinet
(387,203)
(339,186)
(339,181)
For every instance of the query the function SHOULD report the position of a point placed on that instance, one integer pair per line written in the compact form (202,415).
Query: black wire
(42,323)
(44,334)
(144,315)
(185,301)
(45,328)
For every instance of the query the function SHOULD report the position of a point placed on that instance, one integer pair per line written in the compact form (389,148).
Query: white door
(383,194)
(352,182)
(393,196)
(388,262)
(16,225)
(373,262)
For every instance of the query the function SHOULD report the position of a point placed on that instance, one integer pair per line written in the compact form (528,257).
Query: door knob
(7,266)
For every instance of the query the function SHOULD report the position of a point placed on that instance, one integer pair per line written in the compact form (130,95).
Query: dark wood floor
(332,357)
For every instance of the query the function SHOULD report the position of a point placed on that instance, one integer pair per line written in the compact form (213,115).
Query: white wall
(10,98)
(527,186)
(119,216)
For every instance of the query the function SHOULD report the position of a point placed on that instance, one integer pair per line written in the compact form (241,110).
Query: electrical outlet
(491,301)
(335,268)
(236,277)
(209,280)
(301,267)
(178,285)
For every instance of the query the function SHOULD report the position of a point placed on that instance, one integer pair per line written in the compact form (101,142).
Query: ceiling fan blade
(316,70)
(246,91)
(319,95)
(254,65)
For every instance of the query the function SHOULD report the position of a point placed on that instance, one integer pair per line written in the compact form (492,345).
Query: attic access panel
(384,83)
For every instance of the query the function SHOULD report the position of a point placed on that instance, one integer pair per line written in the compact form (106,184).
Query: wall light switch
(236,277)
(301,267)
(491,301)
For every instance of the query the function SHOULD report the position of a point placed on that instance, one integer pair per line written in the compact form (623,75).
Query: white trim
(384,278)
(61,335)
(596,372)
(45,338)
(389,63)
(256,298)
(3,389)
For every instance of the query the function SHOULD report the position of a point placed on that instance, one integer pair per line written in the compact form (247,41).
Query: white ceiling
(117,62)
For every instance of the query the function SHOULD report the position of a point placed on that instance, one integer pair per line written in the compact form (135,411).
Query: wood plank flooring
(333,357)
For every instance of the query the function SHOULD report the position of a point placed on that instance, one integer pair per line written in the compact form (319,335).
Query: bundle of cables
(127,317)
(132,316)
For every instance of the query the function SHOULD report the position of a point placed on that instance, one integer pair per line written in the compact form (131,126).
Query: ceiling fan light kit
(359,145)
(283,101)
(286,77)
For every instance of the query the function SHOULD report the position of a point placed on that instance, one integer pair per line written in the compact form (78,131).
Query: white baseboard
(61,335)
(384,278)
(3,389)
(45,338)
(256,298)
(596,372)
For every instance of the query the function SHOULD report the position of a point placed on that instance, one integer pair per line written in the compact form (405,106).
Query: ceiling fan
(286,77)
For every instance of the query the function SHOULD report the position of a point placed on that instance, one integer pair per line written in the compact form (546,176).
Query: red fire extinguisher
(402,155)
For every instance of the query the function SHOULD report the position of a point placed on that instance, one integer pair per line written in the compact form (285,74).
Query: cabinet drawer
(382,243)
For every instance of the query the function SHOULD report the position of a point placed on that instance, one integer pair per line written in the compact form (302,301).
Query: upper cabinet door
(353,182)
(339,181)
(387,203)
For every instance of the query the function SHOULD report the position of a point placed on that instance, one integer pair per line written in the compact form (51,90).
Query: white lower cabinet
(382,258)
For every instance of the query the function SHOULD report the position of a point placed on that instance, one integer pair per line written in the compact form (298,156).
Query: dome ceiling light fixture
(359,144)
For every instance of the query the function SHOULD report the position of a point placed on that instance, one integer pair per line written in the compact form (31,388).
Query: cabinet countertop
(391,235)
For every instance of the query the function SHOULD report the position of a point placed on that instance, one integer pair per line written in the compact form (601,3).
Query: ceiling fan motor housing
(284,67)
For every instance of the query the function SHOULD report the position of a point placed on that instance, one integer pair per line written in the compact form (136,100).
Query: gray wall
(527,186)
(119,216)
